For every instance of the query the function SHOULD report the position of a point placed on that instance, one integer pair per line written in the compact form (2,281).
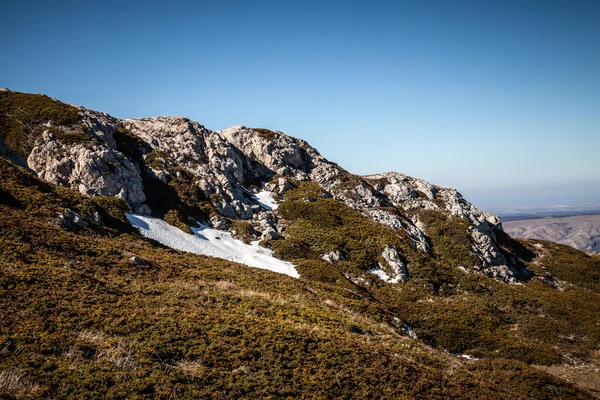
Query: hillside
(405,290)
(581,232)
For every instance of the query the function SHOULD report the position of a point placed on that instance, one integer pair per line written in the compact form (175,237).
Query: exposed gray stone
(395,268)
(93,169)
(71,221)
(332,256)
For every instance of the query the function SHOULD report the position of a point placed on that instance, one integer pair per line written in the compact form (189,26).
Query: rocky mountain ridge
(106,156)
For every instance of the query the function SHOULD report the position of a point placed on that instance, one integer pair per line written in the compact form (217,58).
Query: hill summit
(177,170)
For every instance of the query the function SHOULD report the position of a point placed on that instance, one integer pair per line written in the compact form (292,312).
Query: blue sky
(490,97)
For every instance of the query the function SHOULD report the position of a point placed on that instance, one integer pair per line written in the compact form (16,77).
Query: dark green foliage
(517,377)
(19,189)
(22,116)
(243,229)
(463,313)
(449,238)
(571,265)
(319,270)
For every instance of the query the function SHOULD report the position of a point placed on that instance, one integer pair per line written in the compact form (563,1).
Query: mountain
(581,232)
(380,286)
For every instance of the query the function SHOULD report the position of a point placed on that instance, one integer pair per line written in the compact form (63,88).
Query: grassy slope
(80,319)
(463,313)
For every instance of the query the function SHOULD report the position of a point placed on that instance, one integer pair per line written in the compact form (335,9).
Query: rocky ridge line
(227,166)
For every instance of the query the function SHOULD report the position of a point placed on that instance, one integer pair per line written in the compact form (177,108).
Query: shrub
(23,115)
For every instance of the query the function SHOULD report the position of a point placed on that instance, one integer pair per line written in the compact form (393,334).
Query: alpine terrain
(155,258)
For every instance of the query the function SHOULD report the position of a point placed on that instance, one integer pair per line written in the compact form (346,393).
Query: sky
(499,99)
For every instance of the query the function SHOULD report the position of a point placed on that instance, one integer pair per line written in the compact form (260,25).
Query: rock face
(417,194)
(228,166)
(94,167)
(7,153)
(395,266)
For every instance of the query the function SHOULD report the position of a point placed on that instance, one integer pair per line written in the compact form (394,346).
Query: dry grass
(117,351)
(192,369)
(583,375)
(14,383)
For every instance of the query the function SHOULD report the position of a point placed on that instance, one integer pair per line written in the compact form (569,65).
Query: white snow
(265,198)
(381,274)
(211,242)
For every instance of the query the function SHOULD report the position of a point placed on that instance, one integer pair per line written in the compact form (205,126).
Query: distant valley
(580,231)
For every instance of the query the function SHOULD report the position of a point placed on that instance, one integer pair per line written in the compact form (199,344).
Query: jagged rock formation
(113,157)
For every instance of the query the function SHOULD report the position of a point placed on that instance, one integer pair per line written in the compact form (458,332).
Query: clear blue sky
(485,96)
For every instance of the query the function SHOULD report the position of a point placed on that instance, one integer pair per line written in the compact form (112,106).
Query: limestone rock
(93,169)
(396,269)
(71,221)
(332,256)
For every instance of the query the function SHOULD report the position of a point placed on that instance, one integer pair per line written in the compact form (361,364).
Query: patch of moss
(266,133)
(319,270)
(243,229)
(174,218)
(322,225)
(21,190)
(23,117)
(156,160)
(449,237)
(583,269)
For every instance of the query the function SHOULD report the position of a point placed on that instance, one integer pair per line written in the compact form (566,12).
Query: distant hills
(581,231)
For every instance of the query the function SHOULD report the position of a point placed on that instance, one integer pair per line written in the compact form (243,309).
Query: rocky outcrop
(228,167)
(93,168)
(295,159)
(394,266)
(411,194)
(332,256)
(7,153)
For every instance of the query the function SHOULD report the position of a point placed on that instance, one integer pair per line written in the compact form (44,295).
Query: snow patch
(211,242)
(265,199)
(381,274)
